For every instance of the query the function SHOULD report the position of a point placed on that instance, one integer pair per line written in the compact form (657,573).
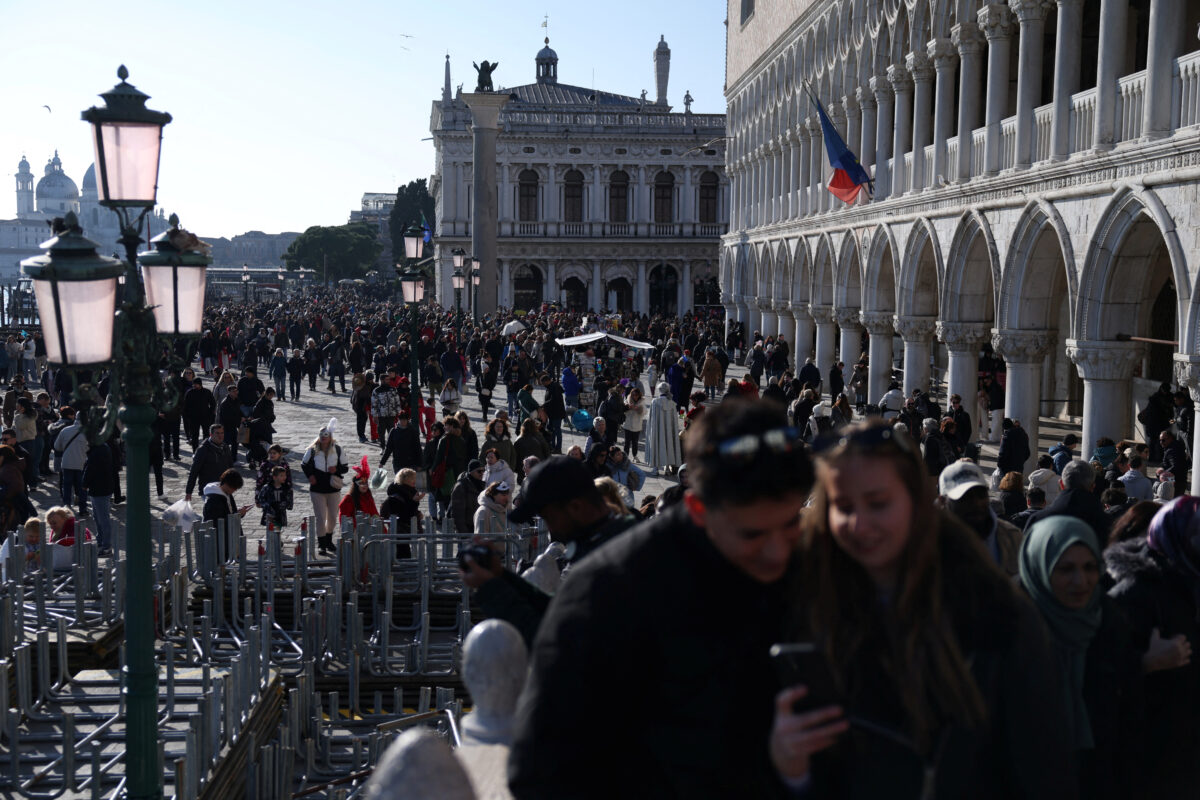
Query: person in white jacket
(492,514)
(496,469)
(71,446)
(1045,478)
(662,432)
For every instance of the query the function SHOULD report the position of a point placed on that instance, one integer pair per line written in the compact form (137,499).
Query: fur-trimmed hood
(1132,559)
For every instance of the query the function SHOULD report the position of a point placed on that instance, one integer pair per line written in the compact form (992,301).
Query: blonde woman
(611,492)
(324,467)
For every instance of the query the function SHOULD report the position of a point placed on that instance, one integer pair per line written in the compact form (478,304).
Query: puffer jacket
(490,517)
(500,471)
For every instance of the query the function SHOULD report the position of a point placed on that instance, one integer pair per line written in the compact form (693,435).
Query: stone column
(879,353)
(596,207)
(1187,373)
(686,203)
(1106,369)
(902,85)
(485,117)
(866,146)
(1110,65)
(796,154)
(642,191)
(945,61)
(769,183)
(596,289)
(823,319)
(803,339)
(885,100)
(805,168)
(770,322)
(963,342)
(1067,54)
(917,332)
(997,24)
(922,71)
(685,290)
(854,123)
(503,289)
(850,344)
(553,217)
(1023,352)
(787,323)
(1031,14)
(743,316)
(816,173)
(550,293)
(969,42)
(1166,40)
(641,295)
(783,174)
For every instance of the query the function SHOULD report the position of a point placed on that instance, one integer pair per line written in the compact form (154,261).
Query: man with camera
(675,619)
(561,491)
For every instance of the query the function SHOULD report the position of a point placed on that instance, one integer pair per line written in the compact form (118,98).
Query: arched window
(573,196)
(527,196)
(710,191)
(527,288)
(618,197)
(664,198)
(664,285)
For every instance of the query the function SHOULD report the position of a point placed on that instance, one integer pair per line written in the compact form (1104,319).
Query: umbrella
(513,328)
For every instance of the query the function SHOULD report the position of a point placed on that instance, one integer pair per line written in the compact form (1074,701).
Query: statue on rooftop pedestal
(485,70)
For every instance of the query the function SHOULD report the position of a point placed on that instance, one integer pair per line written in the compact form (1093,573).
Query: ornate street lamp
(245,284)
(459,281)
(475,278)
(412,287)
(76,293)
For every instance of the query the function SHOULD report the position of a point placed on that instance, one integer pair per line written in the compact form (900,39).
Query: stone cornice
(963,336)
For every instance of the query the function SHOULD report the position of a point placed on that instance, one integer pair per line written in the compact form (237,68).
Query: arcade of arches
(1062,293)
(646,286)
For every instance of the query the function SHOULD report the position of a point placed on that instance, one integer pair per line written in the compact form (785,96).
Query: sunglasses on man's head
(750,445)
(864,439)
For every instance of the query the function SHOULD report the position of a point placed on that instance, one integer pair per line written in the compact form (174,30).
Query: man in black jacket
(211,460)
(678,616)
(403,446)
(1175,460)
(199,412)
(1077,500)
(230,415)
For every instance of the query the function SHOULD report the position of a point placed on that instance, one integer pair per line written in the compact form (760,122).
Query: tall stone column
(1068,43)
(969,41)
(805,168)
(879,353)
(768,183)
(902,85)
(1166,44)
(1110,64)
(754,316)
(850,344)
(866,146)
(787,323)
(922,71)
(885,101)
(803,339)
(641,297)
(823,319)
(945,62)
(550,293)
(917,333)
(1023,352)
(504,289)
(816,155)
(963,342)
(794,156)
(485,117)
(1031,15)
(596,289)
(596,204)
(553,217)
(783,183)
(1107,370)
(997,24)
(854,122)
(1187,373)
(686,296)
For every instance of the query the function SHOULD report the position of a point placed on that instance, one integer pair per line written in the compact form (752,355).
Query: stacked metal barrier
(279,672)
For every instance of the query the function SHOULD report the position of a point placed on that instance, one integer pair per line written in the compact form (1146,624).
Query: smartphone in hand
(799,663)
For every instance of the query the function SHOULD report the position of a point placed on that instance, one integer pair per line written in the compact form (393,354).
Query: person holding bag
(324,468)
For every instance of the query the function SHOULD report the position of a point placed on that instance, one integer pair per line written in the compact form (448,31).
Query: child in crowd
(275,498)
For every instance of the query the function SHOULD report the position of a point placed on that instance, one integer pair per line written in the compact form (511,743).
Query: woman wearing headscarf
(1157,585)
(1100,671)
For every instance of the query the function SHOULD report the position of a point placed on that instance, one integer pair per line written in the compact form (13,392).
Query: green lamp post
(76,292)
(459,281)
(412,285)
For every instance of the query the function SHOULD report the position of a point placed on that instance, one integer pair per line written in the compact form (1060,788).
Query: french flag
(848,175)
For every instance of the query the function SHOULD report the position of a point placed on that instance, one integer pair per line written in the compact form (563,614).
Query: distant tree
(412,201)
(336,252)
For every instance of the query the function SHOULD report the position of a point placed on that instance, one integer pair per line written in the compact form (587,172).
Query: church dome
(23,166)
(56,191)
(546,53)
(547,64)
(89,180)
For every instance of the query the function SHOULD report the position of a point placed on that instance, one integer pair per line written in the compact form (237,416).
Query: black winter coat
(656,619)
(1014,450)
(98,471)
(1153,594)
(1081,504)
(404,446)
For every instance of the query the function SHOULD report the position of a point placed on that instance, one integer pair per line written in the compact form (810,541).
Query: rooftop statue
(485,71)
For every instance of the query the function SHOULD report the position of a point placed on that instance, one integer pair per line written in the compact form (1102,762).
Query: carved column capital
(866,96)
(881,87)
(822,315)
(1105,361)
(920,66)
(877,323)
(915,329)
(800,311)
(1187,373)
(814,126)
(942,52)
(996,21)
(901,80)
(967,38)
(1030,10)
(850,102)
(847,318)
(1023,347)
(963,336)
(783,308)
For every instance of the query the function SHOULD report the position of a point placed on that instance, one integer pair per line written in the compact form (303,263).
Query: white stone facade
(605,200)
(1045,198)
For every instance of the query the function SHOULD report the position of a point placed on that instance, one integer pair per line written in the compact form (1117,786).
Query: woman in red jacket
(358,500)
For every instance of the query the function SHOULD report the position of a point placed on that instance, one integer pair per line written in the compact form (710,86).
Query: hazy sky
(285,113)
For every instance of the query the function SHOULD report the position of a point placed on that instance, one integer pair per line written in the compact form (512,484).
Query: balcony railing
(978,152)
(1008,142)
(1131,95)
(529,229)
(575,229)
(639,230)
(667,229)
(617,229)
(951,158)
(1083,120)
(1043,132)
(1187,90)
